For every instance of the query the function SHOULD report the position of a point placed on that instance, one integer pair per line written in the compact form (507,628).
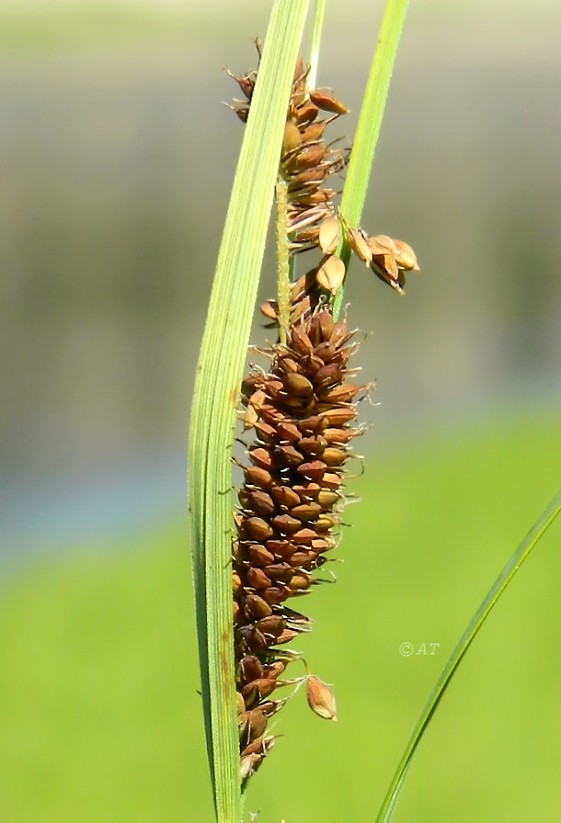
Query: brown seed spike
(301,582)
(336,435)
(249,668)
(311,425)
(292,496)
(257,399)
(272,671)
(299,71)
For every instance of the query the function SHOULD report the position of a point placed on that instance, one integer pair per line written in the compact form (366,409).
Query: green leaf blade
(497,589)
(372,113)
(219,374)
(370,118)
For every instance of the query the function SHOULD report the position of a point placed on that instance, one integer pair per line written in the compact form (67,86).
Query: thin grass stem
(369,125)
(319,14)
(507,574)
(283,257)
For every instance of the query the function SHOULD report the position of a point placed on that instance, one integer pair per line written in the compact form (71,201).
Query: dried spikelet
(389,259)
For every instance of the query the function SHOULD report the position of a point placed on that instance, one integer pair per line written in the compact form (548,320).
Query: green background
(100,714)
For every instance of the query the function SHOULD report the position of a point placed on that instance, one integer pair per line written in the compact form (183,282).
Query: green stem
(369,124)
(283,258)
(319,14)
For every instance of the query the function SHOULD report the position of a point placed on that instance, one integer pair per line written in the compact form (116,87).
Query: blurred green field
(99,710)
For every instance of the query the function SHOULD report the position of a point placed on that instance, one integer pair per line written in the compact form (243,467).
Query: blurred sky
(116,158)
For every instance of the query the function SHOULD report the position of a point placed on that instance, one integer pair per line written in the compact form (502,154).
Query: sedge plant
(251,557)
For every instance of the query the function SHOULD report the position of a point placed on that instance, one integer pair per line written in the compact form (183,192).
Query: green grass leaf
(369,123)
(315,43)
(372,112)
(219,374)
(481,615)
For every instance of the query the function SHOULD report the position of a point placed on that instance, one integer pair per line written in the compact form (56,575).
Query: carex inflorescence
(302,412)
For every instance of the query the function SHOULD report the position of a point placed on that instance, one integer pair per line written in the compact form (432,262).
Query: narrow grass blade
(319,14)
(372,112)
(219,375)
(370,122)
(483,612)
